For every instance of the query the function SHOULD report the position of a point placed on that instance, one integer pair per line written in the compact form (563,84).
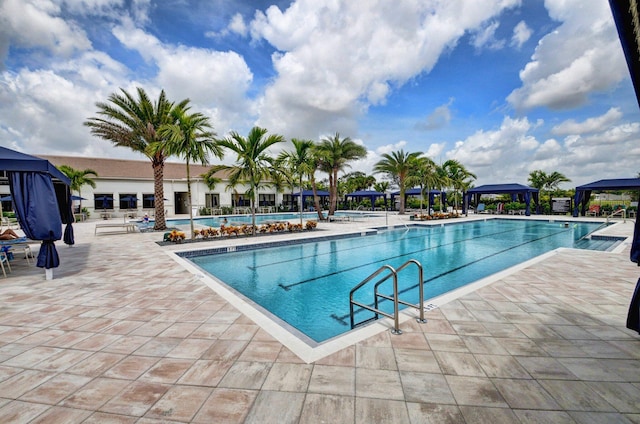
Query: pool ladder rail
(392,273)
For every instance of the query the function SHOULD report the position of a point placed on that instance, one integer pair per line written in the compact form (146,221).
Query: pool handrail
(396,301)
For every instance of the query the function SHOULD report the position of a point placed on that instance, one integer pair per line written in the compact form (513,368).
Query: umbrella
(6,198)
(152,198)
(104,200)
(74,198)
(130,200)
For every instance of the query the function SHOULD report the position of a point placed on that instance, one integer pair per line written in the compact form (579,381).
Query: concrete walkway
(124,334)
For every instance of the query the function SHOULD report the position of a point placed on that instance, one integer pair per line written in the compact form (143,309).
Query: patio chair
(4,259)
(594,210)
(19,243)
(480,208)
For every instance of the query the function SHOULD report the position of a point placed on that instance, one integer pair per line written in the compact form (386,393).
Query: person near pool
(9,234)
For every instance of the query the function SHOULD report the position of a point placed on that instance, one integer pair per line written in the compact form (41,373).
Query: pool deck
(125,334)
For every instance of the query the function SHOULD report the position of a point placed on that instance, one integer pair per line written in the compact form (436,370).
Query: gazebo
(517,191)
(583,192)
(367,194)
(309,194)
(42,201)
(416,192)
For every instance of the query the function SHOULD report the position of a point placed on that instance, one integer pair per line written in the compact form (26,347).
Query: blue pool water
(215,221)
(307,284)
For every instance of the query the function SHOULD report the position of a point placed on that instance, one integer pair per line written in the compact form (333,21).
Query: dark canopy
(416,192)
(10,160)
(625,14)
(367,194)
(517,191)
(42,201)
(309,194)
(583,192)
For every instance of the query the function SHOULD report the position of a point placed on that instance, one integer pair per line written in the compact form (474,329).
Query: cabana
(309,194)
(583,192)
(367,194)
(416,192)
(42,202)
(519,192)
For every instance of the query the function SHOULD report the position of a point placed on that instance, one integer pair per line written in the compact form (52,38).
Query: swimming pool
(215,221)
(307,284)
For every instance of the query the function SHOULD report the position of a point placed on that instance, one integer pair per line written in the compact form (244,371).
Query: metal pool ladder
(394,298)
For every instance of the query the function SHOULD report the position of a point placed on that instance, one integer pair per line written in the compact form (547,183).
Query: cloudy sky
(504,86)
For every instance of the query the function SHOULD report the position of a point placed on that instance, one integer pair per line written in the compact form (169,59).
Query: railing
(622,212)
(392,273)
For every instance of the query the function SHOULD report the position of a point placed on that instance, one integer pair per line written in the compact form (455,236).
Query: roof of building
(128,169)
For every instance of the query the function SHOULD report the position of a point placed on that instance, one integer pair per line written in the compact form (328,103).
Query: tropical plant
(398,165)
(189,136)
(78,179)
(424,174)
(134,123)
(458,176)
(300,162)
(333,155)
(382,187)
(546,182)
(253,164)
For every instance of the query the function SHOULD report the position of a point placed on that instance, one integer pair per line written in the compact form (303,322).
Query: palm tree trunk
(402,192)
(158,190)
(254,202)
(300,201)
(316,199)
(190,202)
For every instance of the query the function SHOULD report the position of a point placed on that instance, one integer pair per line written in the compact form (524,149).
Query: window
(103,201)
(289,201)
(212,200)
(128,201)
(148,201)
(267,200)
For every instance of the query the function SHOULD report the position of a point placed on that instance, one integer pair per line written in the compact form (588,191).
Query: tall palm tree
(299,161)
(458,176)
(398,166)
(78,179)
(134,123)
(189,136)
(334,154)
(423,173)
(253,163)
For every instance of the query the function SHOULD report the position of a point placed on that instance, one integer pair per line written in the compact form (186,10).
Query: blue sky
(503,86)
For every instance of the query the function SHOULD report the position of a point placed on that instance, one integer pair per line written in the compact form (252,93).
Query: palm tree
(134,123)
(382,187)
(458,175)
(423,173)
(78,179)
(188,136)
(333,155)
(398,166)
(547,182)
(299,161)
(253,164)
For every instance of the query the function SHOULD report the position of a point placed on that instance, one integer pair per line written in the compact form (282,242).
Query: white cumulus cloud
(581,56)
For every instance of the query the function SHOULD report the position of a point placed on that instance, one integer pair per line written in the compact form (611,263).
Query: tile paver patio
(123,333)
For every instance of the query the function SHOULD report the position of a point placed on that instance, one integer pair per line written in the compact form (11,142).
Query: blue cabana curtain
(633,316)
(34,198)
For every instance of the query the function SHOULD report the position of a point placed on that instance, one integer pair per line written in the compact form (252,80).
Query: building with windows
(127,187)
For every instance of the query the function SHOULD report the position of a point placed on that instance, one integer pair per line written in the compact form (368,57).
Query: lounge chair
(19,243)
(480,208)
(4,259)
(594,210)
(10,222)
